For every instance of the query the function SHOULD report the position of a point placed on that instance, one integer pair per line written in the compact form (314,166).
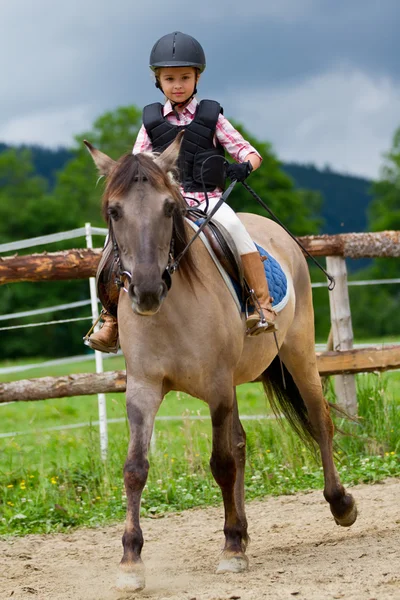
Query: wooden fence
(81,264)
(343,360)
(83,384)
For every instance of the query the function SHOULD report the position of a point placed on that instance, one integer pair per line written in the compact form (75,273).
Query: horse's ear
(103,162)
(167,159)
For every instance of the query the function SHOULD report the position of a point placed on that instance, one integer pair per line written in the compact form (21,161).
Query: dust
(296,551)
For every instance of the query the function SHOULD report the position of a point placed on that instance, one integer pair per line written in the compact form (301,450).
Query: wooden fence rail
(81,264)
(329,363)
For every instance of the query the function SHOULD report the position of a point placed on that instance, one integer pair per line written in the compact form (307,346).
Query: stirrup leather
(87,336)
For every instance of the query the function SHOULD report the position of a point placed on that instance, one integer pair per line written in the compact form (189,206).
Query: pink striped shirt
(233,142)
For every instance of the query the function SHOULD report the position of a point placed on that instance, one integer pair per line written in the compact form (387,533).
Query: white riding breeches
(229,219)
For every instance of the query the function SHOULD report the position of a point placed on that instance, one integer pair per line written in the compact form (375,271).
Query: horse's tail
(284,397)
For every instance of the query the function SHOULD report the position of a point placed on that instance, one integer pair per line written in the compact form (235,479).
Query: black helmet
(177,50)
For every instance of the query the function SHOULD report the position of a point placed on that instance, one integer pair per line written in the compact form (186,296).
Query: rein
(331,279)
(173,263)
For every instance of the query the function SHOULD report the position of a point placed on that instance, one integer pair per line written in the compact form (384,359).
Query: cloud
(47,128)
(62,65)
(343,118)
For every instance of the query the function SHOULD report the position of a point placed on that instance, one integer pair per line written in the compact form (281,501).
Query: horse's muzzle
(147,302)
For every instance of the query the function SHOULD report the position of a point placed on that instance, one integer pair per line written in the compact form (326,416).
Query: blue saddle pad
(277,281)
(276,278)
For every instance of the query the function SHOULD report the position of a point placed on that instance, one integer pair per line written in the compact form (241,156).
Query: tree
(378,308)
(22,196)
(28,210)
(385,208)
(75,200)
(299,210)
(78,186)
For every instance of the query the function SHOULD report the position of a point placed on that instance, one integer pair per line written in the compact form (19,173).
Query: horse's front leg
(142,402)
(224,469)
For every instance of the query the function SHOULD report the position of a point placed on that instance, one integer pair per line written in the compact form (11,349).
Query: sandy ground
(296,551)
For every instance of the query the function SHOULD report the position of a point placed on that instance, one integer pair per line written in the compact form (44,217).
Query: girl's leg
(229,219)
(253,269)
(105,339)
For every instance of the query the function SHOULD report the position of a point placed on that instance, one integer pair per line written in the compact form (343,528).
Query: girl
(177,61)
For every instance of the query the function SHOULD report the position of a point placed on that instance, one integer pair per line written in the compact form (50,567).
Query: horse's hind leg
(227,466)
(302,365)
(143,401)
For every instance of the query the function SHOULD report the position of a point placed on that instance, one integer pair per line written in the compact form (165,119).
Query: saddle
(218,238)
(221,243)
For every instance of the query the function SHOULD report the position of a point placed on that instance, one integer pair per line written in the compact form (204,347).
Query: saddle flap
(107,290)
(222,244)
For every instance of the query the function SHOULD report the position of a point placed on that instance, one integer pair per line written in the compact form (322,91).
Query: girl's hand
(239,172)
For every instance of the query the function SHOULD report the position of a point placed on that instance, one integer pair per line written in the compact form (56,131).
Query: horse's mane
(136,168)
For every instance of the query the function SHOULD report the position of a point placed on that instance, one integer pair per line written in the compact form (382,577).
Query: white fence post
(342,329)
(101,398)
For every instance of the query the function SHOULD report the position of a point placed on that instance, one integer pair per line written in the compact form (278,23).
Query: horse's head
(144,209)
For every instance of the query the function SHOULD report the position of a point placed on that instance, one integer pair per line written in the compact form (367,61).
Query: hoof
(131,579)
(347,518)
(233,563)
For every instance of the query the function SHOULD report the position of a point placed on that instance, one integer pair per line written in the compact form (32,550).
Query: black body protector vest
(197,144)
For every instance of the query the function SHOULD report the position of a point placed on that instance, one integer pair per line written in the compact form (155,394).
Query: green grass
(55,480)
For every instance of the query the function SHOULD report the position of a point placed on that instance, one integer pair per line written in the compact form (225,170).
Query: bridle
(122,273)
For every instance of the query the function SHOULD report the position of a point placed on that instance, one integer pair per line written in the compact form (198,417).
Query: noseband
(121,272)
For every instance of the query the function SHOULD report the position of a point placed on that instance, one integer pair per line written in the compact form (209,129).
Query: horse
(191,338)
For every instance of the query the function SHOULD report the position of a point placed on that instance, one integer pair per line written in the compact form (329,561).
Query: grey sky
(320,79)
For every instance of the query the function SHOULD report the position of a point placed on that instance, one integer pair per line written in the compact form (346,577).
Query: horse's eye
(115,212)
(169,207)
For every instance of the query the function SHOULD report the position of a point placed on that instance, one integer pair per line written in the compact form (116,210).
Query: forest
(44,191)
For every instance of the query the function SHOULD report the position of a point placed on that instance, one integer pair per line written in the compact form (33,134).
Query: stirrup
(263,325)
(97,344)
(101,347)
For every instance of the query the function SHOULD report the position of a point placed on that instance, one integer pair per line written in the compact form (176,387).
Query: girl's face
(177,83)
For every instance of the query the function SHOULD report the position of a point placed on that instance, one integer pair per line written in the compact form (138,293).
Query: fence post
(342,329)
(101,398)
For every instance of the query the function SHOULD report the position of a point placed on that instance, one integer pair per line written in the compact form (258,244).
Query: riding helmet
(177,50)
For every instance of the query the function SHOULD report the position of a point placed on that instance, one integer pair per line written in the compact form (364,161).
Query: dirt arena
(296,551)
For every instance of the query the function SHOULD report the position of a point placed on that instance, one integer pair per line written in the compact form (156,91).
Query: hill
(45,160)
(346,197)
